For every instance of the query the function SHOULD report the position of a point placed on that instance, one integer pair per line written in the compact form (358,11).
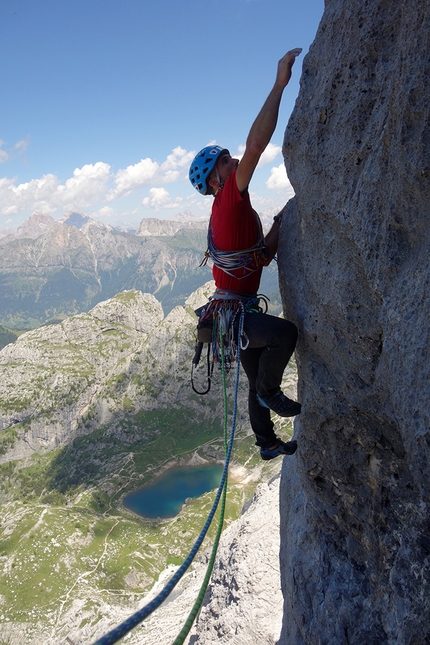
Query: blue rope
(201,595)
(119,632)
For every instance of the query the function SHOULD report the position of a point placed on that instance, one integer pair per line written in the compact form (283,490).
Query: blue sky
(105,102)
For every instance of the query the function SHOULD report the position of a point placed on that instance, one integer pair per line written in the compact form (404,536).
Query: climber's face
(226,165)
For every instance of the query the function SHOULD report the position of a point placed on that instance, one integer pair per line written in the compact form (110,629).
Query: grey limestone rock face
(244,600)
(141,312)
(354,274)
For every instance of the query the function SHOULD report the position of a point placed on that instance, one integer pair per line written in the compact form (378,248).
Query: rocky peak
(74,218)
(92,225)
(141,312)
(37,224)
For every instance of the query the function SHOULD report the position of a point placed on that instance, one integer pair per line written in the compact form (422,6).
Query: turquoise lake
(165,496)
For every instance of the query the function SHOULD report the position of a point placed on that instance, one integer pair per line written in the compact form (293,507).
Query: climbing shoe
(282,448)
(280,404)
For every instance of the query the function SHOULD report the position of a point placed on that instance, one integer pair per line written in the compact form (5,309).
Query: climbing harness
(224,307)
(119,632)
(217,327)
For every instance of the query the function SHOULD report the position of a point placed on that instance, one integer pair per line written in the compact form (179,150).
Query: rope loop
(242,263)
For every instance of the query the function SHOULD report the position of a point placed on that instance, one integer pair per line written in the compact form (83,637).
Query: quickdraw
(218,323)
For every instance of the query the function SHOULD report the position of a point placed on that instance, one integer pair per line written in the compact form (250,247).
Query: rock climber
(235,226)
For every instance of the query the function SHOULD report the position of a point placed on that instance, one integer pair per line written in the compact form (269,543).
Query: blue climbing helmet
(202,166)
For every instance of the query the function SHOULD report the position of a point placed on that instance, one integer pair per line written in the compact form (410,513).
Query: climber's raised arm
(264,125)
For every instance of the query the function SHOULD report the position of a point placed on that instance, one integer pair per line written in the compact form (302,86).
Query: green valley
(93,408)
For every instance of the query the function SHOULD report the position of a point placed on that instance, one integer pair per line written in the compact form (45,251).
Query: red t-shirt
(235,227)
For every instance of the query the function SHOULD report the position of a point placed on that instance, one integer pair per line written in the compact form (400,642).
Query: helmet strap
(221,185)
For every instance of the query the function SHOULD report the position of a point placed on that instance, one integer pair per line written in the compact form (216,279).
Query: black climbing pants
(271,344)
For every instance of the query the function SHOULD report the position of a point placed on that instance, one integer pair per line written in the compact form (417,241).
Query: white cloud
(279,181)
(94,188)
(130,178)
(3,154)
(106,212)
(171,170)
(270,153)
(35,194)
(147,172)
(157,197)
(87,185)
(179,158)
(160,198)
(22,145)
(85,188)
(19,148)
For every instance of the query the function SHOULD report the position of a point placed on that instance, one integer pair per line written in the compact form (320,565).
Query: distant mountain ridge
(39,222)
(51,269)
(152,226)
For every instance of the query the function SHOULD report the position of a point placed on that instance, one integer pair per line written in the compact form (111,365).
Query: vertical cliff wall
(354,269)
